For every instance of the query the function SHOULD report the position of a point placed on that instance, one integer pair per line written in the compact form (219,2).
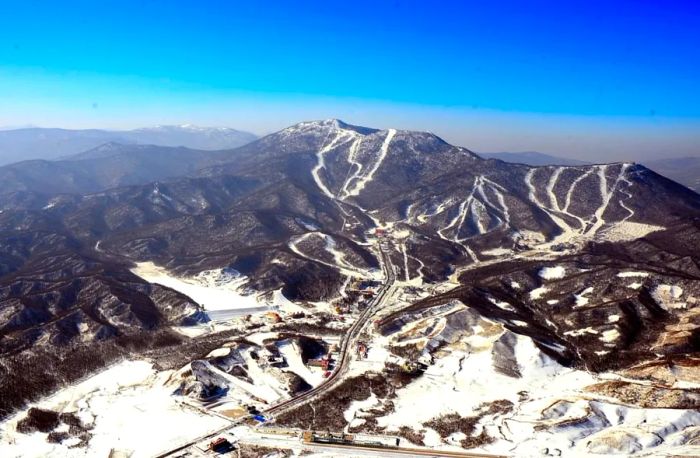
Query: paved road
(350,450)
(384,452)
(347,344)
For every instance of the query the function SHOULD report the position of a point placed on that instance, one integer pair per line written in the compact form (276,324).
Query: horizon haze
(591,81)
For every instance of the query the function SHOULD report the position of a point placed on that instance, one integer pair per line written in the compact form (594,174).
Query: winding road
(347,344)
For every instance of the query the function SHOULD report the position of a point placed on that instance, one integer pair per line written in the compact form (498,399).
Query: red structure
(323,363)
(362,349)
(219,444)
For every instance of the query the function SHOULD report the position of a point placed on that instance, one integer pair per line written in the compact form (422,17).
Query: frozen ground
(554,414)
(221,293)
(130,408)
(213,290)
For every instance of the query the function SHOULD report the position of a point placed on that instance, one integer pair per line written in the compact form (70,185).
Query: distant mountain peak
(532,158)
(186,127)
(49,144)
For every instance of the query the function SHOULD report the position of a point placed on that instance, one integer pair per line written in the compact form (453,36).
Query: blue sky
(566,77)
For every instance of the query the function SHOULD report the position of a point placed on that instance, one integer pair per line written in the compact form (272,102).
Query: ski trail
(606,195)
(477,211)
(354,164)
(405,261)
(550,188)
(339,256)
(532,195)
(321,164)
(459,217)
(629,196)
(468,204)
(553,197)
(486,202)
(421,266)
(470,252)
(409,209)
(341,264)
(423,218)
(570,192)
(622,204)
(362,181)
(502,202)
(343,287)
(498,190)
(532,192)
(458,221)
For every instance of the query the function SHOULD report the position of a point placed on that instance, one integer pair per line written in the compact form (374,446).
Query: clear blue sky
(490,75)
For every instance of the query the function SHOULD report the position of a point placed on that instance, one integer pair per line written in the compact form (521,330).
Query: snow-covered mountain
(191,136)
(684,170)
(587,270)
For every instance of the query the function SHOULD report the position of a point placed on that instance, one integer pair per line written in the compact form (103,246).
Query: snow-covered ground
(213,290)
(130,409)
(292,354)
(554,413)
(627,230)
(221,293)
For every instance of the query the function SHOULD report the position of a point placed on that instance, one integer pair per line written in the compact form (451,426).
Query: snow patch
(537,293)
(581,298)
(667,296)
(626,231)
(552,273)
(632,274)
(610,335)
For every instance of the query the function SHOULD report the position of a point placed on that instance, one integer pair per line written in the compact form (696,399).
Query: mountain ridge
(55,143)
(302,211)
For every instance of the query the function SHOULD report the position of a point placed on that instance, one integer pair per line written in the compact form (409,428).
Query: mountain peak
(186,127)
(331,124)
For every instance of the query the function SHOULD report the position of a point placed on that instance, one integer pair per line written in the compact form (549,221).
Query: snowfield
(554,414)
(627,230)
(213,290)
(131,408)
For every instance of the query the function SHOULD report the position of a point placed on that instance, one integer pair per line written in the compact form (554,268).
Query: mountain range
(44,143)
(549,252)
(684,170)
(532,158)
(110,165)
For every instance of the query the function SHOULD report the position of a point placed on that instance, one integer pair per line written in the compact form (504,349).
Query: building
(220,445)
